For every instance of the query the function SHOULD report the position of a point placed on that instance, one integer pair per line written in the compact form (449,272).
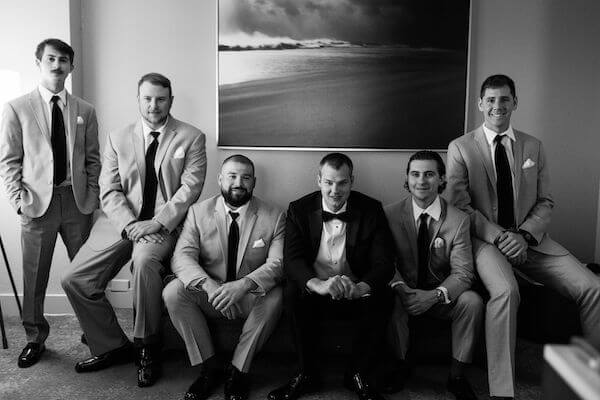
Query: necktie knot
(155,135)
(343,216)
(55,99)
(234,215)
(423,217)
(498,139)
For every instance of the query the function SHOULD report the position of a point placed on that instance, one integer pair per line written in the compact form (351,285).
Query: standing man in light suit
(49,164)
(434,267)
(228,264)
(152,171)
(500,177)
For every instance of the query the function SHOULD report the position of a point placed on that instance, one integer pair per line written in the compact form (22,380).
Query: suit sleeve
(271,272)
(192,181)
(184,262)
(114,202)
(537,220)
(11,155)
(92,156)
(296,250)
(381,268)
(458,195)
(461,262)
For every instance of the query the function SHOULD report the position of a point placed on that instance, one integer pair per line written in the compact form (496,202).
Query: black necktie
(423,247)
(151,181)
(59,142)
(232,247)
(343,216)
(506,214)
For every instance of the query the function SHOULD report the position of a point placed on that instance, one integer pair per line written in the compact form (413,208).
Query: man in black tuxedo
(337,261)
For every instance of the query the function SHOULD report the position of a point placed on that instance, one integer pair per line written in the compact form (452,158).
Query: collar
(241,210)
(146,130)
(490,134)
(434,210)
(341,210)
(47,95)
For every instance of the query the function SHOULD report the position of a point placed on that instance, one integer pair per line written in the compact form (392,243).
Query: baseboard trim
(59,304)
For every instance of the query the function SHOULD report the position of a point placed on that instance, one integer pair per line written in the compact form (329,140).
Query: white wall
(549,47)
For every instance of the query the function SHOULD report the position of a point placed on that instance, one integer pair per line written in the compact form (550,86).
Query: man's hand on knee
(230,293)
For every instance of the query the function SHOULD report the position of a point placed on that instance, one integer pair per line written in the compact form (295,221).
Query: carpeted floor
(54,377)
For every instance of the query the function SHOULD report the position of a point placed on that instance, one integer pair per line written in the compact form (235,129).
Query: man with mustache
(499,176)
(152,171)
(228,265)
(49,164)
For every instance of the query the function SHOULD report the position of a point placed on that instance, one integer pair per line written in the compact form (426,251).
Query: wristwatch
(439,295)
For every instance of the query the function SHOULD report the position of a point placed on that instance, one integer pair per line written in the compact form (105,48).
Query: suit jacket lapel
(436,225)
(163,144)
(518,163)
(251,216)
(139,149)
(484,150)
(37,106)
(72,113)
(408,223)
(221,223)
(315,225)
(352,230)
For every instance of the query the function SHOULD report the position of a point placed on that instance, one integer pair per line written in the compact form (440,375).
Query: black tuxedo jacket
(368,240)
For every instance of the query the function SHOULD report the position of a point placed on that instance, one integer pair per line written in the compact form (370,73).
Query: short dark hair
(336,160)
(497,81)
(58,44)
(156,79)
(240,158)
(428,155)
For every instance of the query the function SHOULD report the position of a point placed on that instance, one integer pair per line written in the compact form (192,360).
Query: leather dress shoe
(236,384)
(357,383)
(121,355)
(460,388)
(296,387)
(202,386)
(31,354)
(149,366)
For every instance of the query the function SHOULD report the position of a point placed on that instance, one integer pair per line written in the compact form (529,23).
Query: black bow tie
(343,216)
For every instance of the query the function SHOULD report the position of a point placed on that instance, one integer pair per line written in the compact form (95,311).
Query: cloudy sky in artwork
(419,23)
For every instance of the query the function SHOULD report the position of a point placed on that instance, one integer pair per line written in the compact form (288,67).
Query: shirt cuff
(394,284)
(196,285)
(445,293)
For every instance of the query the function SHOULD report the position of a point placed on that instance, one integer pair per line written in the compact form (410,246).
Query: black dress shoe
(30,354)
(121,355)
(149,366)
(296,387)
(357,383)
(460,388)
(236,384)
(202,386)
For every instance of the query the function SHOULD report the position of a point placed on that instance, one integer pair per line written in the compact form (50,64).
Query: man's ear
(516,103)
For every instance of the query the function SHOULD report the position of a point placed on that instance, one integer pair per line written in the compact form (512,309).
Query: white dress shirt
(331,257)
(507,143)
(242,223)
(148,138)
(62,103)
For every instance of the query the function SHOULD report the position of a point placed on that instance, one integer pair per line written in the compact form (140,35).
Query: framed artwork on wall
(344,74)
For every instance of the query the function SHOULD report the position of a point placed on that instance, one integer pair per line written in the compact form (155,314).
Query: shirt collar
(490,134)
(434,209)
(47,95)
(240,210)
(146,130)
(341,210)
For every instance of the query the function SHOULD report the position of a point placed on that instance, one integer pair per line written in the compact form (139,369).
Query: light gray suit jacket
(201,250)
(26,162)
(472,187)
(451,262)
(180,165)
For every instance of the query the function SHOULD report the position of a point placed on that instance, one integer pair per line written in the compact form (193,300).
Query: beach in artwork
(386,97)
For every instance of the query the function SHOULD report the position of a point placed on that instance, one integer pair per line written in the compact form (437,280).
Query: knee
(69,282)
(145,264)
(471,301)
(172,295)
(273,301)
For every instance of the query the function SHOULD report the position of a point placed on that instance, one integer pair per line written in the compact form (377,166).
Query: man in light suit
(434,266)
(49,163)
(338,263)
(500,177)
(152,171)
(228,265)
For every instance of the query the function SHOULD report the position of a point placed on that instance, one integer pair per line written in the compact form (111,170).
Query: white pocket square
(438,243)
(528,163)
(179,153)
(79,120)
(258,244)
